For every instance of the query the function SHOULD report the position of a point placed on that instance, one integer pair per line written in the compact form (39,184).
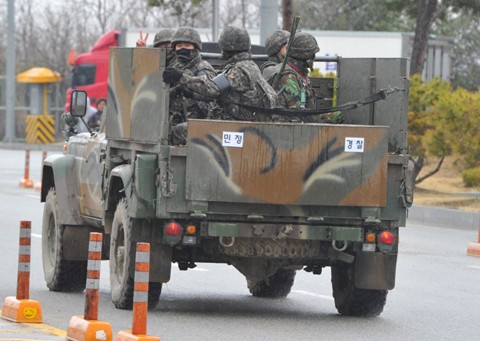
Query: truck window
(83,74)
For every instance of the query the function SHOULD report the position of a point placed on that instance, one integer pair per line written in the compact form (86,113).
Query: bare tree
(287,14)
(426,14)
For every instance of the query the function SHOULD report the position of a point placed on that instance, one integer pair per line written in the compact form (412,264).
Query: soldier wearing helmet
(161,40)
(276,48)
(293,86)
(240,81)
(186,45)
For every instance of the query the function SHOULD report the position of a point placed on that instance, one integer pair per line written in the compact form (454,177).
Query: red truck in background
(90,69)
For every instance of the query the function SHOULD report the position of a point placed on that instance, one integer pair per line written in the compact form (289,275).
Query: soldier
(276,48)
(240,81)
(162,39)
(293,86)
(186,45)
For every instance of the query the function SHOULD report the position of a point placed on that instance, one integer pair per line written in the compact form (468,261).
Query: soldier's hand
(172,75)
(142,41)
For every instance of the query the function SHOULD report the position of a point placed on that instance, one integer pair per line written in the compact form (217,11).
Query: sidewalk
(29,331)
(444,217)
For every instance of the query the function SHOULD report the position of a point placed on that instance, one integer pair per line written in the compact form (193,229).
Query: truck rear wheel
(352,301)
(60,274)
(276,286)
(122,262)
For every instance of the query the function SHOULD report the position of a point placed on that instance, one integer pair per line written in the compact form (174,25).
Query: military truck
(268,198)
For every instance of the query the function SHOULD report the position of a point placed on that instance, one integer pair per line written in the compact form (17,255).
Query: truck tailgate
(287,163)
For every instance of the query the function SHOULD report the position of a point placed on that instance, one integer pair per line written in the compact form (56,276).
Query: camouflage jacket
(268,68)
(293,86)
(182,107)
(295,91)
(246,86)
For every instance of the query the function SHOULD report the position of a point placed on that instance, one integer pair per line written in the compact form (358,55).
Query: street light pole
(215,22)
(10,79)
(268,18)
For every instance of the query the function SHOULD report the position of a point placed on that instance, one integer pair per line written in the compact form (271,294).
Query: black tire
(352,301)
(122,262)
(60,274)
(276,286)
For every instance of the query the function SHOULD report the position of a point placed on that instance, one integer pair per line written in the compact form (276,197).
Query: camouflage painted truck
(269,199)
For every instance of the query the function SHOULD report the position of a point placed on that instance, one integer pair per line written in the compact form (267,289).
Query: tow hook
(339,245)
(226,241)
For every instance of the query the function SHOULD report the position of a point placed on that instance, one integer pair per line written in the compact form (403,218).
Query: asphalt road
(437,294)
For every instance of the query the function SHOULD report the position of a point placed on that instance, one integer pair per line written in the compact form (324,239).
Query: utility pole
(268,18)
(10,79)
(215,22)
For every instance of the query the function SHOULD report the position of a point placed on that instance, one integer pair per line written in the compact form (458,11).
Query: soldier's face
(186,46)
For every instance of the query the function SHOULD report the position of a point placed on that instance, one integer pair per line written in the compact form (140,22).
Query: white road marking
(199,269)
(312,294)
(474,266)
(37,235)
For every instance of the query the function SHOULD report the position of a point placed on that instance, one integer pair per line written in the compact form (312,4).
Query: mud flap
(75,241)
(160,263)
(375,270)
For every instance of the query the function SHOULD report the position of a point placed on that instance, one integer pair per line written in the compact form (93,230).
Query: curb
(444,217)
(52,147)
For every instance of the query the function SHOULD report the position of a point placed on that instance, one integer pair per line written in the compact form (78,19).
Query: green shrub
(471,177)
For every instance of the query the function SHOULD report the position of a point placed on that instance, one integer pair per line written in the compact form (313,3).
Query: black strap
(380,95)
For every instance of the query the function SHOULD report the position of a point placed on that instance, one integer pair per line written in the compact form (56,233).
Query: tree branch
(439,165)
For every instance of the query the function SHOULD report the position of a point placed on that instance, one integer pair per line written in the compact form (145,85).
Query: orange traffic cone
(473,249)
(26,181)
(88,327)
(21,308)
(140,298)
(38,185)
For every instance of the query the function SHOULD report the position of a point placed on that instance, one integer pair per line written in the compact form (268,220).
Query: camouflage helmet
(234,39)
(275,42)
(164,36)
(187,35)
(304,46)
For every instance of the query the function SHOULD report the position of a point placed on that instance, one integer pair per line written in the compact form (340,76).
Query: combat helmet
(275,42)
(234,39)
(187,35)
(304,46)
(164,36)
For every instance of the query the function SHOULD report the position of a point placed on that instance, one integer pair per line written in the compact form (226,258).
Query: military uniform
(240,81)
(293,86)
(273,45)
(182,105)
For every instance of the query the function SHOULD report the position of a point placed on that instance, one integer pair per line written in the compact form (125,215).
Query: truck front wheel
(60,274)
(122,262)
(276,286)
(353,301)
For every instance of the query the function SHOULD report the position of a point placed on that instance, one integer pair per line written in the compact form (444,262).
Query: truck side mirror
(78,103)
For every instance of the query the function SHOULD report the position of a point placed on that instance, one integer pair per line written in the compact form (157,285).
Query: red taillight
(173,229)
(386,237)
